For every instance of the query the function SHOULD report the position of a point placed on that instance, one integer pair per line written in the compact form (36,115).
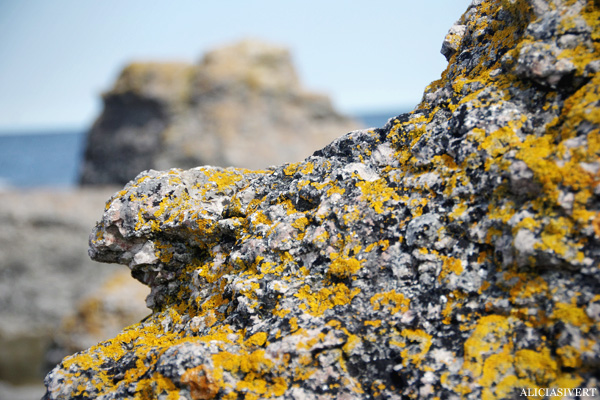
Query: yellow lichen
(392,301)
(343,268)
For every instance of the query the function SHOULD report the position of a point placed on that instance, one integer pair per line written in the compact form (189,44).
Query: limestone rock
(453,253)
(242,105)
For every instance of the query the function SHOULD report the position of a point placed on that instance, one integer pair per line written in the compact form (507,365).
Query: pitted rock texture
(241,106)
(453,253)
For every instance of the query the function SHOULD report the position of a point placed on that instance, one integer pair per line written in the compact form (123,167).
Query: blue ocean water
(32,159)
(53,159)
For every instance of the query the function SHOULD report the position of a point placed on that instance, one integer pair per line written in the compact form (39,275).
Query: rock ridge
(452,253)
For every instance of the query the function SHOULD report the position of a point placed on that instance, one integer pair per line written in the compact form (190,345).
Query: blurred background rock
(241,106)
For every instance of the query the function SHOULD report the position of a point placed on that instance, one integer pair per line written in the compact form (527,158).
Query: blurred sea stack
(241,106)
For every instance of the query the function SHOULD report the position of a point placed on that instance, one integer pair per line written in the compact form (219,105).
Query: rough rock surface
(453,253)
(241,106)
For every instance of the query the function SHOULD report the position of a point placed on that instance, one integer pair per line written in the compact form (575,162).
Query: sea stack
(453,253)
(241,106)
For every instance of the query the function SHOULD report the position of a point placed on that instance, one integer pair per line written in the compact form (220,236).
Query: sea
(52,159)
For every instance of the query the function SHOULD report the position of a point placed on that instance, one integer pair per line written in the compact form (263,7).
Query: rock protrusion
(453,253)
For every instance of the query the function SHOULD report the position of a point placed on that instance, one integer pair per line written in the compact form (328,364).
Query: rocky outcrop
(453,253)
(45,272)
(241,106)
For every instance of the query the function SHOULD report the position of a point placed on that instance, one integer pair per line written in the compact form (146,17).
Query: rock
(438,256)
(452,40)
(242,105)
(44,272)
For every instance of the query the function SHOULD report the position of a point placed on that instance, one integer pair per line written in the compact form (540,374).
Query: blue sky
(57,56)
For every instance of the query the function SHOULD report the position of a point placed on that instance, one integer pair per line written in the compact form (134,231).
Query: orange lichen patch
(377,193)
(527,286)
(291,169)
(309,342)
(326,298)
(377,387)
(491,359)
(201,383)
(416,206)
(149,342)
(158,385)
(342,267)
(384,244)
(570,356)
(300,223)
(536,365)
(526,223)
(308,168)
(223,179)
(164,251)
(555,235)
(258,339)
(392,301)
(289,207)
(450,265)
(500,141)
(352,342)
(323,237)
(271,268)
(351,214)
(503,211)
(540,153)
(488,356)
(455,301)
(115,196)
(536,152)
(506,373)
(260,218)
(498,374)
(569,313)
(458,210)
(293,324)
(415,344)
(487,338)
(243,362)
(335,189)
(260,374)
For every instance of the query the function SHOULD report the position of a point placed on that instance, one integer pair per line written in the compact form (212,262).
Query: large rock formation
(242,106)
(453,253)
